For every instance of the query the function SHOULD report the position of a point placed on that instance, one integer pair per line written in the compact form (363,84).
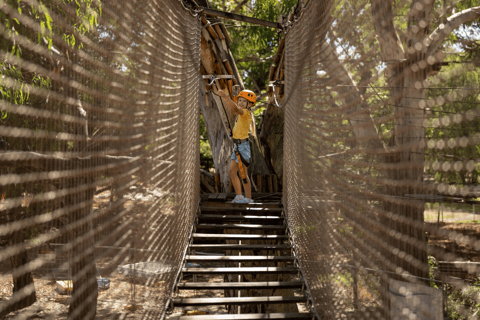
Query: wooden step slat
(240,236)
(227,204)
(238,258)
(235,301)
(248,270)
(212,196)
(239,285)
(240,226)
(239,217)
(241,209)
(248,316)
(240,246)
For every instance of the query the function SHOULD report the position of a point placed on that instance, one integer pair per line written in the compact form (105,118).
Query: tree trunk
(271,139)
(85,289)
(82,259)
(23,284)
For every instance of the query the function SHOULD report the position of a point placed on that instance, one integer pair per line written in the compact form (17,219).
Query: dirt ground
(463,252)
(123,300)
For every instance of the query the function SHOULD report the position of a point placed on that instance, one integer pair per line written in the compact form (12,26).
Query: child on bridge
(245,100)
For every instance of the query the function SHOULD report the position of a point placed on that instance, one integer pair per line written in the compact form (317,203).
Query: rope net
(376,139)
(99,167)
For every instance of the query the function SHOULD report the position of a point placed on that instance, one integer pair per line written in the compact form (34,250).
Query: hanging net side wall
(100,160)
(376,139)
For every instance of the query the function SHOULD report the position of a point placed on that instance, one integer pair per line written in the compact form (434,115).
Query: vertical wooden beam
(259,183)
(217,183)
(275,183)
(270,183)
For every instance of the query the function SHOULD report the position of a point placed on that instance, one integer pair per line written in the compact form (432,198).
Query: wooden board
(212,196)
(235,301)
(239,258)
(246,270)
(251,316)
(239,217)
(240,226)
(240,236)
(239,247)
(222,196)
(239,285)
(241,209)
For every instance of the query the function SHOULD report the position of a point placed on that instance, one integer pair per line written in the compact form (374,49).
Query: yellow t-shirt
(242,125)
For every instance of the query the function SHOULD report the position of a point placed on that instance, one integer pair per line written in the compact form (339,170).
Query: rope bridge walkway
(369,127)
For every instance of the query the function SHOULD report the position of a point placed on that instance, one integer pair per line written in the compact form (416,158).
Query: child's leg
(234,177)
(247,186)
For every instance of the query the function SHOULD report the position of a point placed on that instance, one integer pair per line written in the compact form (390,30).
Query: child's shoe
(238,199)
(247,200)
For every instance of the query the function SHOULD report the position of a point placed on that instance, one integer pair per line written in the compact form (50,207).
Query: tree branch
(241,4)
(453,22)
(364,128)
(390,43)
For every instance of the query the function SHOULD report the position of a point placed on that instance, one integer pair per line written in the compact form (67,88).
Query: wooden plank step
(222,197)
(240,246)
(219,204)
(241,209)
(239,285)
(212,196)
(248,316)
(239,217)
(240,236)
(248,270)
(180,302)
(240,226)
(238,258)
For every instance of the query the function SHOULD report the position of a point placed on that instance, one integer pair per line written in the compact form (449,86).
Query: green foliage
(254,46)
(450,122)
(463,304)
(16,84)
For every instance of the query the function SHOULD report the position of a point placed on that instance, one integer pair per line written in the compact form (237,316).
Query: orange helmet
(249,95)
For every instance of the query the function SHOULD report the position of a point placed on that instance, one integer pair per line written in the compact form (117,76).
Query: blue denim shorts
(244,149)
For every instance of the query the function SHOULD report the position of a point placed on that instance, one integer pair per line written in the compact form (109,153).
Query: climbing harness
(240,159)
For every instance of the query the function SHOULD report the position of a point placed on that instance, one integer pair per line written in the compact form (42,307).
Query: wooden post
(259,183)
(275,183)
(217,183)
(270,183)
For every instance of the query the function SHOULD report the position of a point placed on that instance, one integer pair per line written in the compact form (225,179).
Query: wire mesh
(100,161)
(376,138)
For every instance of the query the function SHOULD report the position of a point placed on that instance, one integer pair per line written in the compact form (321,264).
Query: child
(246,99)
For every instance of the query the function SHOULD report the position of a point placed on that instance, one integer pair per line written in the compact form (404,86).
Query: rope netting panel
(100,156)
(377,136)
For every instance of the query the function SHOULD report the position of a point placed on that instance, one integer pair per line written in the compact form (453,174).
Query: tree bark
(271,139)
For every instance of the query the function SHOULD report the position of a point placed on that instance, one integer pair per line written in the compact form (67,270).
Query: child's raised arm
(229,102)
